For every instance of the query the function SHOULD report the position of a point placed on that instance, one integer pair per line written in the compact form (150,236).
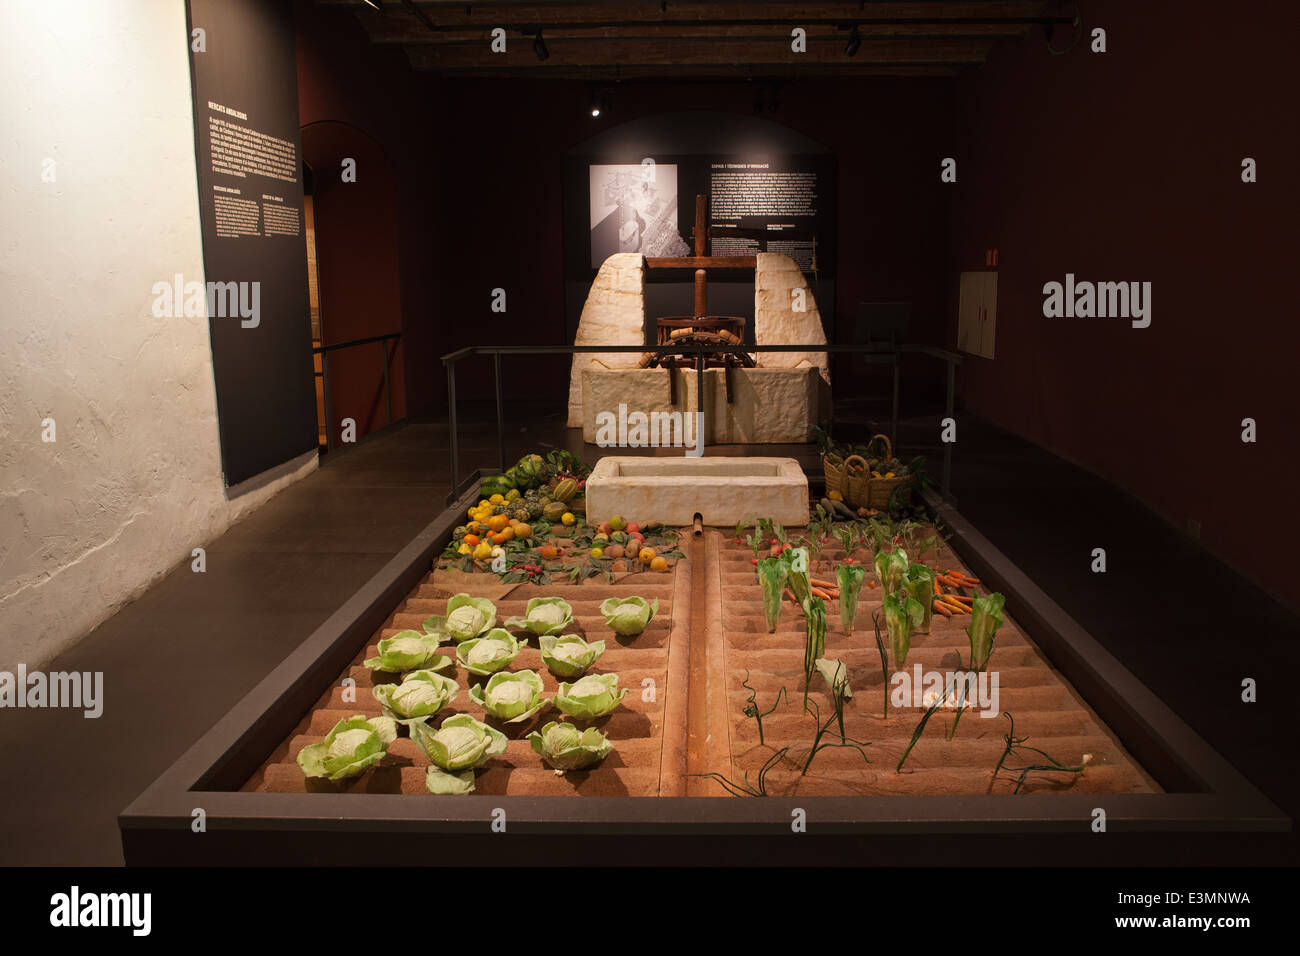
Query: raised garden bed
(1150,772)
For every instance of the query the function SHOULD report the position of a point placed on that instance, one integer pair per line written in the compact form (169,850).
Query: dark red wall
(1126,166)
(374,236)
(500,200)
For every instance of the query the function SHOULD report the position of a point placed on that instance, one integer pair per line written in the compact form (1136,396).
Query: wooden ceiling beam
(694,52)
(457,14)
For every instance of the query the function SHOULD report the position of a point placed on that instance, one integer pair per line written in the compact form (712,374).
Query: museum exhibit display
(688,434)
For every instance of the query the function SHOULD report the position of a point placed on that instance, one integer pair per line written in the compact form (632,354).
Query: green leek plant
(981,641)
(919,582)
(814,609)
(850,578)
(838,697)
(891,570)
(902,615)
(986,618)
(772,575)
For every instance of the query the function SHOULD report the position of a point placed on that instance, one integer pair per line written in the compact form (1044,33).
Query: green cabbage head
(421,694)
(593,696)
(629,616)
(354,744)
(455,749)
(512,697)
(544,616)
(565,747)
(569,655)
(488,654)
(468,617)
(408,651)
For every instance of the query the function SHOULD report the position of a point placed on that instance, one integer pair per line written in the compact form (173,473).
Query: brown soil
(636,728)
(1046,709)
(710,634)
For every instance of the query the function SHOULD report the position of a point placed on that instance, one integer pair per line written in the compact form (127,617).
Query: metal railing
(324,350)
(872,353)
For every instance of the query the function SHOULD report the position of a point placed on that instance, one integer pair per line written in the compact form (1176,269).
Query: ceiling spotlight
(539,46)
(855,43)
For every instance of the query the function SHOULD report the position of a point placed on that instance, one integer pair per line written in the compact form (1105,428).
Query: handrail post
(501,428)
(947,446)
(451,425)
(388,401)
(325,388)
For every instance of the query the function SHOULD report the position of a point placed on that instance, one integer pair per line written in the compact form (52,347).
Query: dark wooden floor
(179,657)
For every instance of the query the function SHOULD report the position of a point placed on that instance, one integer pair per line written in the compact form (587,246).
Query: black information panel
(249,159)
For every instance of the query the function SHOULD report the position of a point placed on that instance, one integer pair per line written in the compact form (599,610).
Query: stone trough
(723,491)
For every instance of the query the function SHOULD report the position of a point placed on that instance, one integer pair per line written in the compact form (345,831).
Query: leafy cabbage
(593,696)
(468,617)
(512,697)
(492,652)
(565,747)
(354,744)
(421,694)
(408,651)
(569,655)
(629,616)
(544,616)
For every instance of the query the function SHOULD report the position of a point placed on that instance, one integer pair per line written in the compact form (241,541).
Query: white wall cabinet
(977,313)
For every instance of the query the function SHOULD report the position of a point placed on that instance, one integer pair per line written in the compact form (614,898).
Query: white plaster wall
(134,481)
(614,314)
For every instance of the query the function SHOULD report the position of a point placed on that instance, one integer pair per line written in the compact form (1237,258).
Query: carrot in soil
(829,585)
(942,609)
(820,592)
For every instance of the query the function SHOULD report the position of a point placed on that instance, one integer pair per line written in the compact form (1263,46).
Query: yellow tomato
(497,499)
(568,518)
(647,555)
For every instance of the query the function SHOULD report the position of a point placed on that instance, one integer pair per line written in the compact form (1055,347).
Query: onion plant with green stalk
(850,578)
(751,708)
(772,575)
(746,789)
(884,661)
(838,696)
(1016,746)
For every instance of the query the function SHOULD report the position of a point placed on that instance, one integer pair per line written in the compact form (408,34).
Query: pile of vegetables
(531,526)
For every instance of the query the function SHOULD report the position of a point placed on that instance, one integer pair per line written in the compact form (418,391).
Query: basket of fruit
(890,480)
(850,476)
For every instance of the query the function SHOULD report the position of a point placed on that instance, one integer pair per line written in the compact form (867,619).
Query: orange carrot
(938,589)
(819,592)
(942,609)
(832,585)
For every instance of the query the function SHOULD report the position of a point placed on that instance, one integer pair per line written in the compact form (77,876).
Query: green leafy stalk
(891,569)
(920,727)
(884,660)
(920,585)
(772,575)
(986,618)
(814,609)
(850,578)
(901,617)
(799,586)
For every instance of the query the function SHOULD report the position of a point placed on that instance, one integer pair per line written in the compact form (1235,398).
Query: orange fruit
(471,539)
(647,555)
(659,564)
(498,522)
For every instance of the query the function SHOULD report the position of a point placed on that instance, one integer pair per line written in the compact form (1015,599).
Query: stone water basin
(723,491)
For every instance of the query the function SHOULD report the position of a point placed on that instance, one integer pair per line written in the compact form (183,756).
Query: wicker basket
(881,490)
(849,476)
